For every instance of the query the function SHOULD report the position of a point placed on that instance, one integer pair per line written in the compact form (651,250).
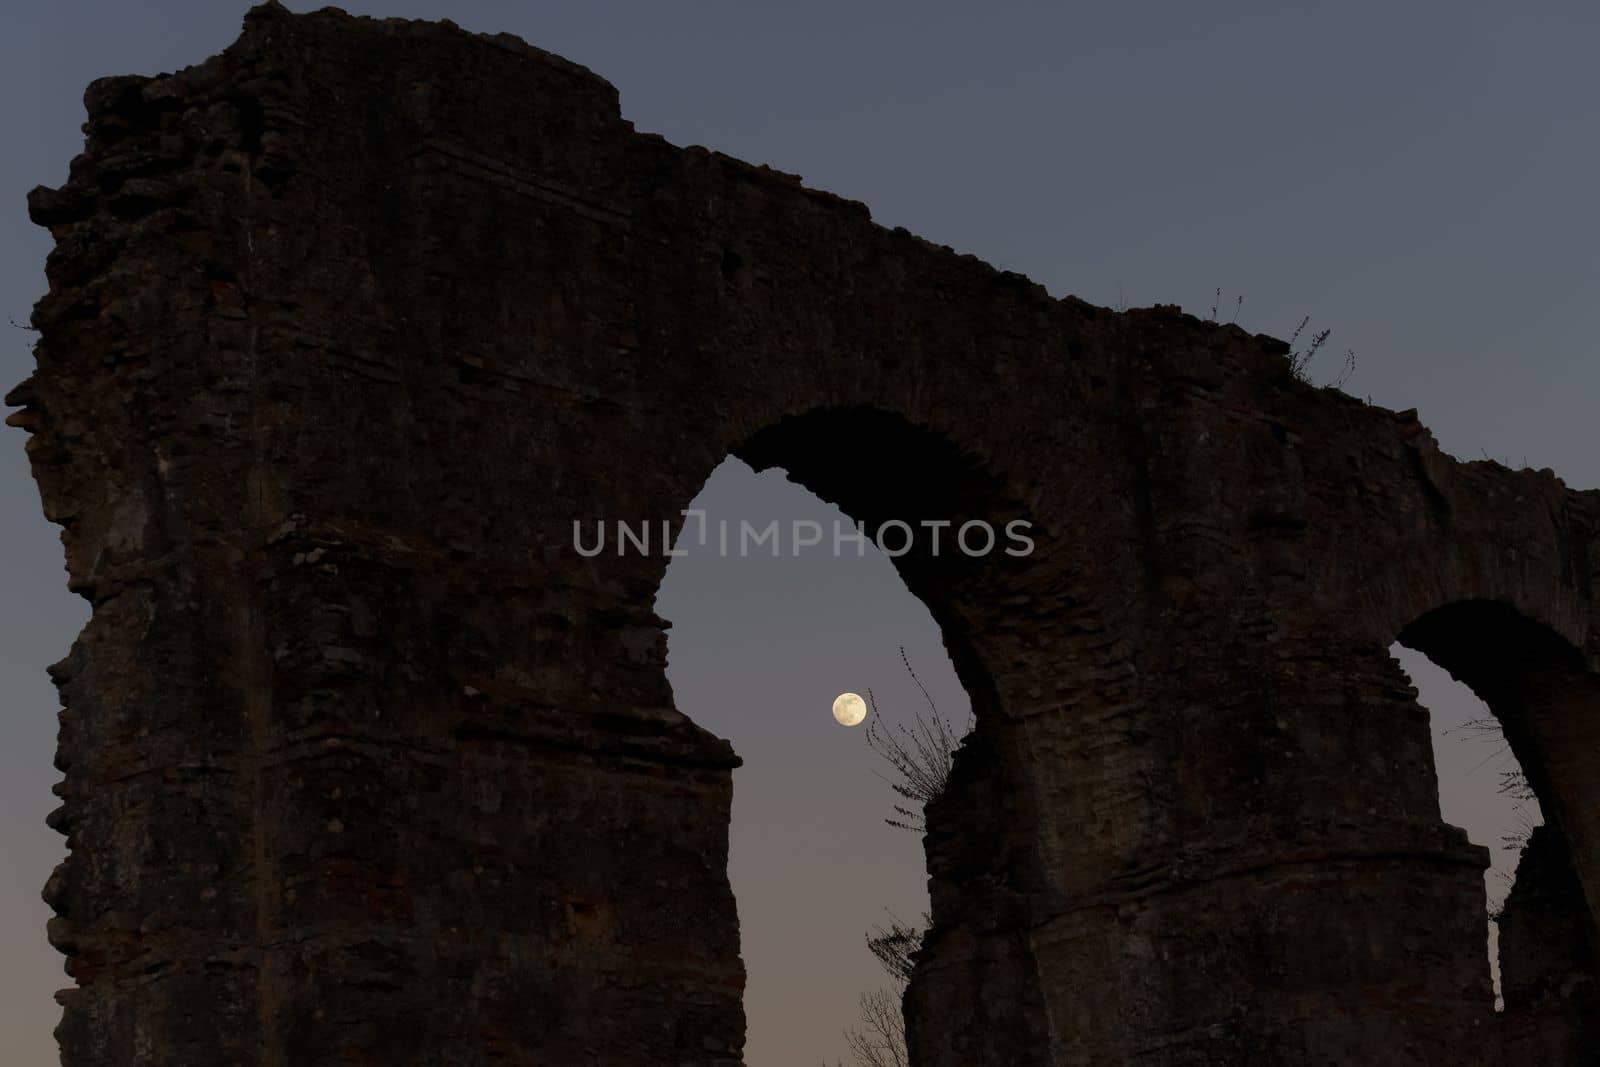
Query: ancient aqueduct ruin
(363,765)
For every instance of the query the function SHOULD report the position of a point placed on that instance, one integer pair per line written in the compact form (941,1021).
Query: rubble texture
(364,764)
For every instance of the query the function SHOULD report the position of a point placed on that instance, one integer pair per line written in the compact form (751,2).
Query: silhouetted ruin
(366,765)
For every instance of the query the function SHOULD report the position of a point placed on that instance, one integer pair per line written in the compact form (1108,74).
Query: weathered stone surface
(1547,969)
(366,765)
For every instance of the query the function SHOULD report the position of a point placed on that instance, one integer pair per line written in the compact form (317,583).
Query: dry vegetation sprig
(1299,358)
(25,326)
(881,1039)
(920,755)
(1513,781)
(893,946)
(1238,304)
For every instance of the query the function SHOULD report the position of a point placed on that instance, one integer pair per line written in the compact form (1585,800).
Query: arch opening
(1481,786)
(1533,699)
(764,634)
(881,470)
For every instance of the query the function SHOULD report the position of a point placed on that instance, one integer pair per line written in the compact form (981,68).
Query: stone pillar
(1243,864)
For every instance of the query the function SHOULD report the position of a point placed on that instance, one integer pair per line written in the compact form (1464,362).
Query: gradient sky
(1420,179)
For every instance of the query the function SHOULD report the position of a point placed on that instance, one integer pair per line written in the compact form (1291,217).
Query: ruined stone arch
(1508,618)
(1544,694)
(1546,699)
(347,325)
(878,466)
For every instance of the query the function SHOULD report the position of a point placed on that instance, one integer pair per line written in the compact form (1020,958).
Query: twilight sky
(1418,178)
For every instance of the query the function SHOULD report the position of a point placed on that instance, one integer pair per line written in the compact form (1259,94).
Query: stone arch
(1545,696)
(880,467)
(1547,701)
(1494,583)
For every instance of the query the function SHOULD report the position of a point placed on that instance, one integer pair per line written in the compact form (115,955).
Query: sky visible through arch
(1419,179)
(758,649)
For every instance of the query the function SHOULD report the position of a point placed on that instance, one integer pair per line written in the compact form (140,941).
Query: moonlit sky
(1417,177)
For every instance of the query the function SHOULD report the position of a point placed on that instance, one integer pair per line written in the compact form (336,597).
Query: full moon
(849,709)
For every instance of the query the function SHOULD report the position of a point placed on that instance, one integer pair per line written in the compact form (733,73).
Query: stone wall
(364,764)
(1547,968)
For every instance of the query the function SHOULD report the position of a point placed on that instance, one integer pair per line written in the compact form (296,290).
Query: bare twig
(919,755)
(881,1041)
(25,326)
(1349,369)
(895,945)
(1513,780)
